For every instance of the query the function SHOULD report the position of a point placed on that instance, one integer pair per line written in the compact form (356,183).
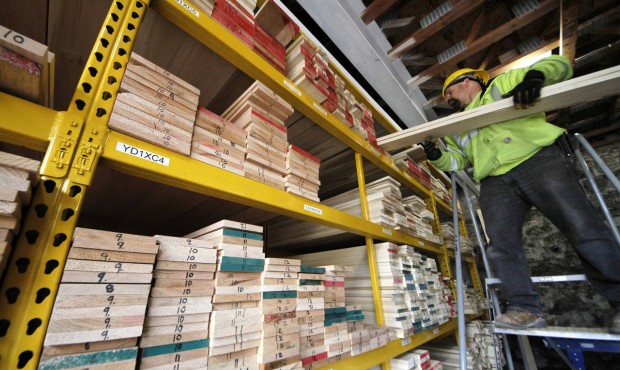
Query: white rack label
(320,109)
(290,86)
(386,231)
(189,8)
(436,331)
(142,154)
(309,208)
(406,341)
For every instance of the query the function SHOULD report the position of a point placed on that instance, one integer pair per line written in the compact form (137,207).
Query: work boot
(519,319)
(615,324)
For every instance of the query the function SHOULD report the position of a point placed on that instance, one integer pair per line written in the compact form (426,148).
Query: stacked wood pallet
(279,340)
(235,323)
(101,301)
(262,114)
(237,19)
(308,68)
(302,173)
(219,142)
(485,347)
(155,106)
(177,322)
(18,175)
(26,68)
(311,316)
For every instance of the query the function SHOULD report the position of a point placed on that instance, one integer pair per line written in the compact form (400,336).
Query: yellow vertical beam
(33,274)
(370,248)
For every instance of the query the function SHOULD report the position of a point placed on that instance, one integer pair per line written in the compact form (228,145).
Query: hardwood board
(108,267)
(69,289)
(91,335)
(159,340)
(87,347)
(85,324)
(153,331)
(184,283)
(107,256)
(220,126)
(87,310)
(105,277)
(181,292)
(225,155)
(137,88)
(169,274)
(192,359)
(227,298)
(233,347)
(184,98)
(187,254)
(77,301)
(227,147)
(175,319)
(185,266)
(109,240)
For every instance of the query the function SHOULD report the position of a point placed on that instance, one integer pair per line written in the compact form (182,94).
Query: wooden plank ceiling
(500,35)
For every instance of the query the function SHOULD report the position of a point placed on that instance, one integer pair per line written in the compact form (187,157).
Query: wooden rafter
(460,9)
(487,40)
(568,28)
(513,62)
(474,30)
(376,9)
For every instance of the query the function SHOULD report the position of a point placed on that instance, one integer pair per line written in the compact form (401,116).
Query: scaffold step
(543,279)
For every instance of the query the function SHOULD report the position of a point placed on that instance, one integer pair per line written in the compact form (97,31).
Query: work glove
(525,94)
(432,152)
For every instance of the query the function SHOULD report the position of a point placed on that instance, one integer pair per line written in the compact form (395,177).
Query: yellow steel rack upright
(74,141)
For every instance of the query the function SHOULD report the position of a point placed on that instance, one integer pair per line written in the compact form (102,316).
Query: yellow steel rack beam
(206,30)
(24,123)
(138,158)
(76,136)
(394,348)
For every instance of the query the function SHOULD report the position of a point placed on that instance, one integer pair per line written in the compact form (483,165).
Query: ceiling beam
(376,9)
(569,23)
(487,40)
(460,8)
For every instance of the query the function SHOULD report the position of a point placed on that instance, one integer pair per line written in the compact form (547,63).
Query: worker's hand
(527,92)
(431,150)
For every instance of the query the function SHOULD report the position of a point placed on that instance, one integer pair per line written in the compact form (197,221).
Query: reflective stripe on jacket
(496,149)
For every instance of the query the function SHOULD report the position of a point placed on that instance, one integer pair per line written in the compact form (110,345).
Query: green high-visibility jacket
(496,149)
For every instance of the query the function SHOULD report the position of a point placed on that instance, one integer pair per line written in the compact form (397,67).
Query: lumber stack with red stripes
(302,173)
(262,114)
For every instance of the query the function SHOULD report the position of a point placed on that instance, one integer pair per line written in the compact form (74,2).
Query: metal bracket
(89,151)
(64,138)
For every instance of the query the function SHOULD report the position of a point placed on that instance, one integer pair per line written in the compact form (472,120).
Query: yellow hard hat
(479,75)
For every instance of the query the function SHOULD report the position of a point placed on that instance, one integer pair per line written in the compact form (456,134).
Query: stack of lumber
(412,360)
(235,324)
(270,48)
(311,316)
(302,173)
(438,187)
(406,163)
(276,23)
(279,339)
(473,301)
(337,341)
(18,175)
(177,319)
(26,68)
(385,205)
(449,237)
(219,142)
(262,114)
(447,351)
(237,19)
(206,6)
(421,219)
(102,297)
(248,5)
(485,347)
(412,294)
(156,106)
(308,68)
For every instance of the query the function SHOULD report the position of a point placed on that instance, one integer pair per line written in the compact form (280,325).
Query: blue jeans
(549,182)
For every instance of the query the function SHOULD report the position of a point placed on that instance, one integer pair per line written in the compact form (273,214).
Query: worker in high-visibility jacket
(522,163)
